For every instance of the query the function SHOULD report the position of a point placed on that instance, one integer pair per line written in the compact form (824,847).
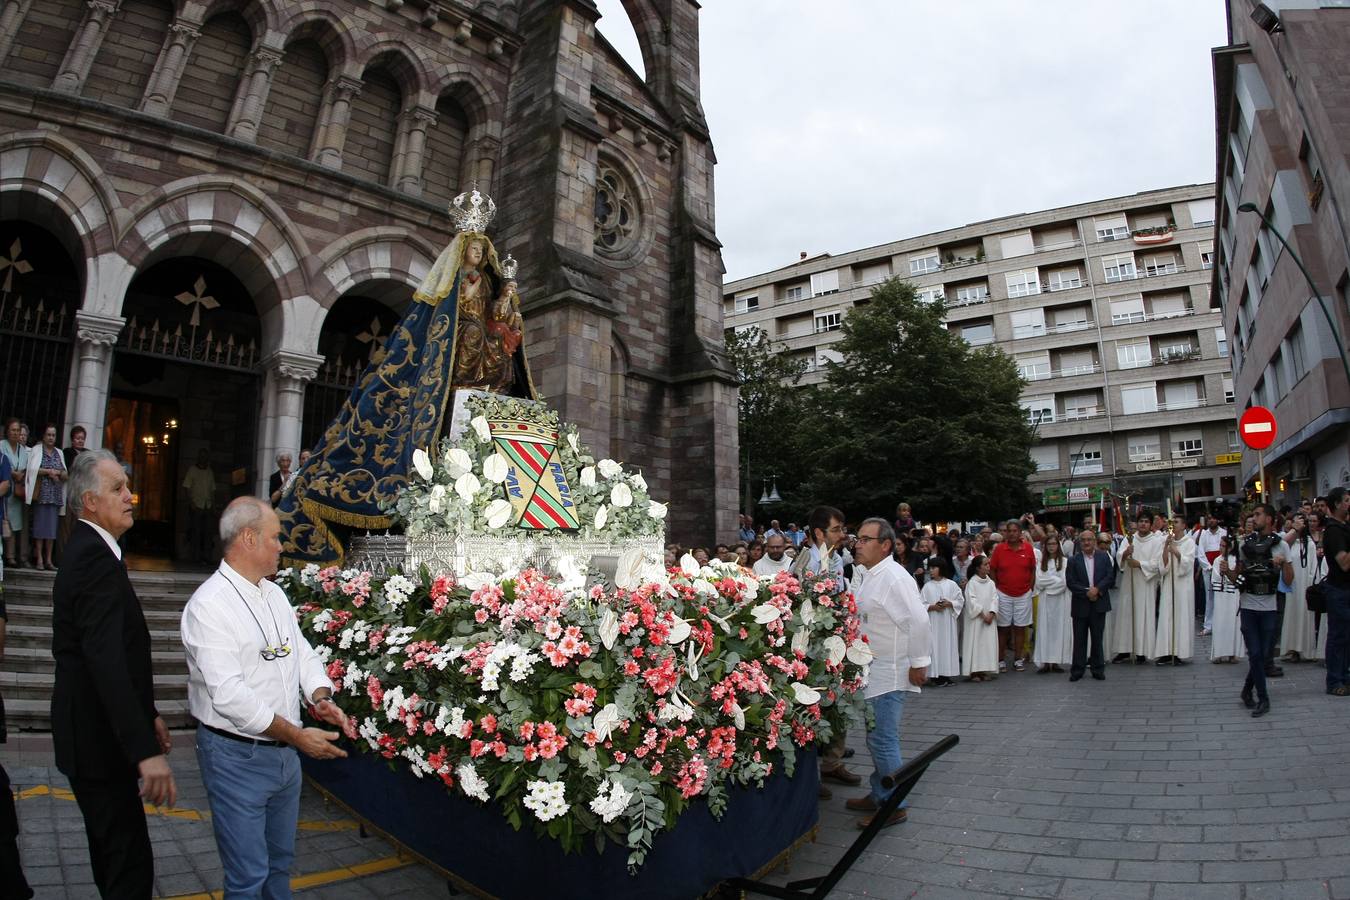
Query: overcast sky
(848,124)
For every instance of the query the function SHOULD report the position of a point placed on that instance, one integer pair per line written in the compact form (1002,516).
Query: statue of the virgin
(463,331)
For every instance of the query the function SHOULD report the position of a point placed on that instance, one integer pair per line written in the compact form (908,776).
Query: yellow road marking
(191,815)
(320,879)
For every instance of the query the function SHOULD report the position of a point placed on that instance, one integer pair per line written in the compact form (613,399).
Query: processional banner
(536,484)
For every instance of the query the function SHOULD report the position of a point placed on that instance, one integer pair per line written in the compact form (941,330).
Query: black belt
(257,742)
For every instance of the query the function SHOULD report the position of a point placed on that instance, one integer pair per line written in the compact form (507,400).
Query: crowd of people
(33,492)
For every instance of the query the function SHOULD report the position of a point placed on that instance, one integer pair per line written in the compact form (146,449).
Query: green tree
(914,413)
(771,404)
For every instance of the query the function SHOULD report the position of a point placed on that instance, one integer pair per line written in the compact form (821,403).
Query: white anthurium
(804,695)
(835,649)
(573,442)
(621,496)
(808,612)
(679,632)
(422,463)
(656,510)
(609,628)
(605,721)
(705,588)
(638,481)
(476,580)
(689,565)
(458,461)
(571,576)
(498,513)
(480,428)
(801,640)
(859,653)
(609,468)
(738,715)
(629,570)
(436,500)
(467,485)
(588,476)
(495,468)
(765,613)
(601,517)
(721,623)
(692,656)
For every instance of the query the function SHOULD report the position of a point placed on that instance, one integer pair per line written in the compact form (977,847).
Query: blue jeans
(883,741)
(1337,624)
(255,803)
(1260,631)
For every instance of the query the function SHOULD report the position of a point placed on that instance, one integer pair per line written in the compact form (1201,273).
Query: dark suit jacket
(1075,576)
(103,706)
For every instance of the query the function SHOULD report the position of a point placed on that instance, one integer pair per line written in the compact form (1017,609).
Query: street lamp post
(1321,302)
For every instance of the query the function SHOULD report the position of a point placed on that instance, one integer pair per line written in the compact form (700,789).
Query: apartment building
(1106,308)
(1281,110)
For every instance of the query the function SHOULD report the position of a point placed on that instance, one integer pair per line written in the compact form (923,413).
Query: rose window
(616,213)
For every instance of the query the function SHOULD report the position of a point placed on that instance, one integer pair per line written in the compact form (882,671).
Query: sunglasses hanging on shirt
(270,651)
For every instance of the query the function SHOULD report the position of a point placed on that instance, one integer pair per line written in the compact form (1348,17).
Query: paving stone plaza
(1153,784)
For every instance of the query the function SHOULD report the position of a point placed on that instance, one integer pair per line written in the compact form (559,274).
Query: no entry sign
(1257,428)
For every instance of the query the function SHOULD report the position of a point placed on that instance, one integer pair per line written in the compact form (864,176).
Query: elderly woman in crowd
(45,491)
(16,454)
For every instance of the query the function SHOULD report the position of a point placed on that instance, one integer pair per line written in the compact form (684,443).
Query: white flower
(495,468)
(470,782)
(859,653)
(609,628)
(422,463)
(397,589)
(605,721)
(609,468)
(801,640)
(765,613)
(611,801)
(466,486)
(588,476)
(573,442)
(679,632)
(621,495)
(498,513)
(638,481)
(436,502)
(656,510)
(480,428)
(689,565)
(457,462)
(628,571)
(738,715)
(804,695)
(835,649)
(601,517)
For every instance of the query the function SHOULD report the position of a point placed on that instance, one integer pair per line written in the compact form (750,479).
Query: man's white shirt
(225,627)
(896,624)
(764,566)
(107,537)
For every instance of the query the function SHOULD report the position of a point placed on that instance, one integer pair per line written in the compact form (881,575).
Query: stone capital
(289,364)
(266,58)
(347,87)
(421,117)
(184,32)
(99,8)
(91,328)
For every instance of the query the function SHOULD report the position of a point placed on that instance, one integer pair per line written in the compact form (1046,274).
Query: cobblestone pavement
(1153,784)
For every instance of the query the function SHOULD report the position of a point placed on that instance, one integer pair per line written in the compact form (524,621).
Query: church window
(616,213)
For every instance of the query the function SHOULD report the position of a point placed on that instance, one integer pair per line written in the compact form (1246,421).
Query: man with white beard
(1176,608)
(1135,611)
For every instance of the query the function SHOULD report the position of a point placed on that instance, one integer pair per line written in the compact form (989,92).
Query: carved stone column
(12,13)
(257,82)
(287,373)
(95,336)
(169,69)
(336,115)
(75,67)
(416,121)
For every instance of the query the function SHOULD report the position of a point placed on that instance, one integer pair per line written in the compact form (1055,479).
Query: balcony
(1076,370)
(1194,403)
(1067,327)
(1176,354)
(966,301)
(1159,234)
(1082,415)
(1057,245)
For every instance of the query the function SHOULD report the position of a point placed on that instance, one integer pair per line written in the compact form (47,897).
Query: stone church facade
(212,210)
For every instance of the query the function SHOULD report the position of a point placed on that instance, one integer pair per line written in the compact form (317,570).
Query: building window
(1221,340)
(1206,259)
(1159,265)
(1039,410)
(1202,213)
(745,304)
(1227,390)
(1180,395)
(1187,443)
(1023,284)
(1119,268)
(825,283)
(1089,462)
(1297,364)
(1126,311)
(1068,318)
(1034,366)
(794,293)
(1233,442)
(1065,279)
(980,333)
(1134,355)
(1028,323)
(1112,228)
(922,265)
(616,213)
(1143,399)
(929,295)
(1046,457)
(1144,448)
(974,293)
(1080,406)
(829,321)
(1227,484)
(827,357)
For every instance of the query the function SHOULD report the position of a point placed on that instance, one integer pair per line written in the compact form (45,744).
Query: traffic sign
(1257,428)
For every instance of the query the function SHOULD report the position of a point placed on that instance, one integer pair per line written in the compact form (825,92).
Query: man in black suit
(1089,577)
(105,730)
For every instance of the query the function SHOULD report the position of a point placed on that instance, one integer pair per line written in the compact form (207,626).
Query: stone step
(40,615)
(39,659)
(38,686)
(41,636)
(36,715)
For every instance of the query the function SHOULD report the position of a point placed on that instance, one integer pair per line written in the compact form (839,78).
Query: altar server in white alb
(979,643)
(1172,644)
(1225,645)
(944,601)
(1206,552)
(248,669)
(1054,626)
(1298,639)
(1136,600)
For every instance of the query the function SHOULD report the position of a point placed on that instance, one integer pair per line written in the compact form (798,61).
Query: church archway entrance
(354,331)
(185,383)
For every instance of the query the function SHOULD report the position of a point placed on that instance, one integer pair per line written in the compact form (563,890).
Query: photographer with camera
(1263,557)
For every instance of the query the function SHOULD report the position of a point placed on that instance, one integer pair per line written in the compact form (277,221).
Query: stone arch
(481,102)
(211,79)
(650,29)
(230,208)
(326,29)
(390,81)
(263,16)
(316,46)
(392,53)
(615,27)
(45,33)
(126,57)
(371,253)
(54,168)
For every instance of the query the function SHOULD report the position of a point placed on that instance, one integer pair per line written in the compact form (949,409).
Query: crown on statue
(472,211)
(509,267)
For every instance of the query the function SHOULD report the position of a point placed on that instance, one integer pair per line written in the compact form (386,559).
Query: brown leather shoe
(895,819)
(841,775)
(861,804)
